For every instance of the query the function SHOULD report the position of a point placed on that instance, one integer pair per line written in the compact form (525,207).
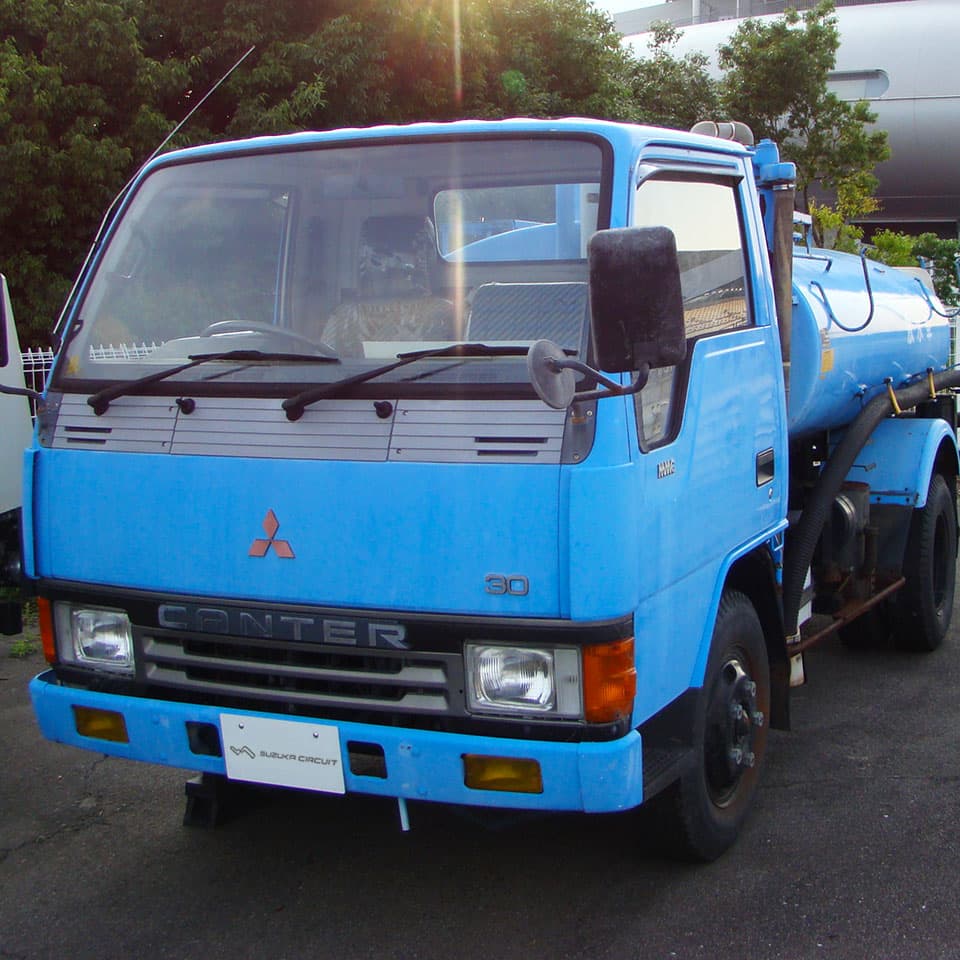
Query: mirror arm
(21,392)
(613,389)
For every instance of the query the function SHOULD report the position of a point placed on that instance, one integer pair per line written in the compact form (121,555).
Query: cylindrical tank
(846,339)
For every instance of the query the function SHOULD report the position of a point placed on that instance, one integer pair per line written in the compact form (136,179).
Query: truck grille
(308,676)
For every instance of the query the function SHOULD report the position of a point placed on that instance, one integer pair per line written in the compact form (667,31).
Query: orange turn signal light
(502,773)
(101,724)
(609,681)
(45,620)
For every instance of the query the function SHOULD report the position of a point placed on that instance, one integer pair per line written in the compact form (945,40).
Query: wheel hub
(732,721)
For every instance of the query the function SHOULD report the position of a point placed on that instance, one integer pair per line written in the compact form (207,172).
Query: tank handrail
(832,317)
(813,256)
(946,314)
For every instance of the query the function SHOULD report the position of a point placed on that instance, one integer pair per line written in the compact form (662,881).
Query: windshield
(362,252)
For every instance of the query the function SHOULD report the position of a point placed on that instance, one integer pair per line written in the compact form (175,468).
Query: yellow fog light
(101,724)
(502,773)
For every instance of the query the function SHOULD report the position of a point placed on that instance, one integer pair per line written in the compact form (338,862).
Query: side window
(704,217)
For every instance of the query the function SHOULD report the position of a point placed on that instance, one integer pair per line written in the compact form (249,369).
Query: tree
(75,116)
(672,92)
(941,255)
(326,64)
(893,248)
(832,226)
(563,56)
(935,253)
(776,81)
(89,88)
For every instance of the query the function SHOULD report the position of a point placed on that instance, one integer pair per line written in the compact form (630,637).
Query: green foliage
(831,225)
(935,253)
(673,92)
(89,88)
(831,230)
(23,647)
(776,81)
(327,64)
(942,256)
(75,113)
(893,248)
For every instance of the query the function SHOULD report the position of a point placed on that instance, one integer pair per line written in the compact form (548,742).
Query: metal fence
(37,361)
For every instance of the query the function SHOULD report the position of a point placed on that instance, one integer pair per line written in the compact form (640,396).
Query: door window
(704,217)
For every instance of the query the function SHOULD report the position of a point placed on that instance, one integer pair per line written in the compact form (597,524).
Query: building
(897,54)
(686,13)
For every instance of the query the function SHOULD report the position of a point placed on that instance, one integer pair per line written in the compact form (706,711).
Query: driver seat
(395,301)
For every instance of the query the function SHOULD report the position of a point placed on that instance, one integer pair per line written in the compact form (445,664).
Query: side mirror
(8,347)
(635,298)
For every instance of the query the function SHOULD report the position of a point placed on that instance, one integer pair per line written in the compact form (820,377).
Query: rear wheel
(869,631)
(710,802)
(923,607)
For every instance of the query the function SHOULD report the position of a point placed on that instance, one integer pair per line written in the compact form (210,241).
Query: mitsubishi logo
(260,548)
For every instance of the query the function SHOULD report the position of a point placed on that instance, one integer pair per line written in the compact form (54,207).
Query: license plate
(284,753)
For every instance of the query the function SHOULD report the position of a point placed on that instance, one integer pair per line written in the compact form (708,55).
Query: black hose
(802,540)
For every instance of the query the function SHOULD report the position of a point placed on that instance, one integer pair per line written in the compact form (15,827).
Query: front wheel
(709,804)
(923,607)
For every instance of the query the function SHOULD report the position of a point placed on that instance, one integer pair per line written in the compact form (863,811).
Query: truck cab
(299,513)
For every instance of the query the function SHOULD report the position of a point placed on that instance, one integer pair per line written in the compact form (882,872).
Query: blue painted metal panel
(418,537)
(420,764)
(897,461)
(624,139)
(692,524)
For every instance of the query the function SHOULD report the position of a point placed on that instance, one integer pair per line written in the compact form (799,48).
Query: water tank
(848,336)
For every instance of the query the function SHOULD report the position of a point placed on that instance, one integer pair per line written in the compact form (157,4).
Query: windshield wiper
(100,401)
(294,406)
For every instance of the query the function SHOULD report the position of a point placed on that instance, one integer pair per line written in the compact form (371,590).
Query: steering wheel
(269,330)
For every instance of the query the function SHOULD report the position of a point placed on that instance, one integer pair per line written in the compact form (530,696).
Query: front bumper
(419,764)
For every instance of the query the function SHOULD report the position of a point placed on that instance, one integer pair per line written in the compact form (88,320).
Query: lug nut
(758,718)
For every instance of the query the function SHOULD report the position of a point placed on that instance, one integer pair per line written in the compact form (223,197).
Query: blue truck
(511,463)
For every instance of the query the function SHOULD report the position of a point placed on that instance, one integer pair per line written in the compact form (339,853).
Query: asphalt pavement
(852,852)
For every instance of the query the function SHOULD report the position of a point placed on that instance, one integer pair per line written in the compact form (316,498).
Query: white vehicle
(15,430)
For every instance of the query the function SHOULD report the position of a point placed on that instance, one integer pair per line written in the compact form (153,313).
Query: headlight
(523,680)
(92,637)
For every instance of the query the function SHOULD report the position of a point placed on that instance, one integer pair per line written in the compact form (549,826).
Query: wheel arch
(946,462)
(754,574)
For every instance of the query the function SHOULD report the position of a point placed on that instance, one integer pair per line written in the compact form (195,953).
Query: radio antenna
(108,216)
(198,105)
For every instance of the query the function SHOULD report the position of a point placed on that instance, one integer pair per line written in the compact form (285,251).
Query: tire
(706,808)
(923,607)
(870,631)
